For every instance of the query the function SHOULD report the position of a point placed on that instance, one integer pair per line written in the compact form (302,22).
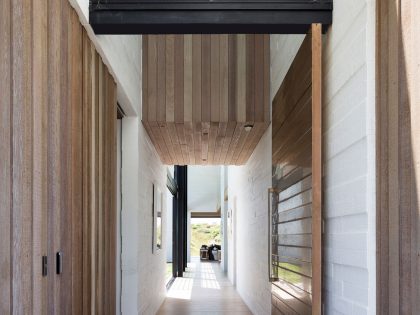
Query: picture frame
(157,219)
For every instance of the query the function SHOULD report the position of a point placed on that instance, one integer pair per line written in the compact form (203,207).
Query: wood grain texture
(76,203)
(397,160)
(40,178)
(297,175)
(21,129)
(210,80)
(48,185)
(5,156)
(316,169)
(87,172)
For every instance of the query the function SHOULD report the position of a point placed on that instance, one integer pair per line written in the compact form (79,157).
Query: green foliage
(204,234)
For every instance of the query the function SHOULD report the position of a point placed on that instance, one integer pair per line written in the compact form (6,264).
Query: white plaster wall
(349,160)
(143,272)
(118,266)
(122,55)
(130,215)
(248,184)
(151,267)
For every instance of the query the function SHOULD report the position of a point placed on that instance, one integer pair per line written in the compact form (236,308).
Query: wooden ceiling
(199,94)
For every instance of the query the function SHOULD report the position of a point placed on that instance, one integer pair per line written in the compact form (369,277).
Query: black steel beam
(208,17)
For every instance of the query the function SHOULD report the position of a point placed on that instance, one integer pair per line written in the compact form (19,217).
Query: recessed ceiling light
(248,127)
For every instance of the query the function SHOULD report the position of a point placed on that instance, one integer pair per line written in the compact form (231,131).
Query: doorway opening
(206,239)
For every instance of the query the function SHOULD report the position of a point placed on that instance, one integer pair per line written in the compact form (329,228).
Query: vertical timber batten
(48,191)
(316,169)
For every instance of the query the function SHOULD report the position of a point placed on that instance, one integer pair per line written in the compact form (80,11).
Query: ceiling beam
(208,17)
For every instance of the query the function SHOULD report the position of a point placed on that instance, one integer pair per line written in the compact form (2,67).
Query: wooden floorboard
(204,289)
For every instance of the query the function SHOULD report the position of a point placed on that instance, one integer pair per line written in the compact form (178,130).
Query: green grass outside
(204,234)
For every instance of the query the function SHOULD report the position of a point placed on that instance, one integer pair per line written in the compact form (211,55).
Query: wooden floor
(204,289)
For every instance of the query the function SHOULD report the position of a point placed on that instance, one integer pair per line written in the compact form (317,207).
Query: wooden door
(57,164)
(295,203)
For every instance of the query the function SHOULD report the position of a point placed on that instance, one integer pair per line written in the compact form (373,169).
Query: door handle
(272,276)
(44,266)
(59,262)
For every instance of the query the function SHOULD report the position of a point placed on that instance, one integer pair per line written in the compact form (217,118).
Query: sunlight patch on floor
(181,289)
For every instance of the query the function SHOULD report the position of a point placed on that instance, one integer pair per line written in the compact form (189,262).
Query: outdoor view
(204,232)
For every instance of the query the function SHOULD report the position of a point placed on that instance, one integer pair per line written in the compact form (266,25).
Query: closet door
(57,164)
(295,197)
(65,195)
(99,184)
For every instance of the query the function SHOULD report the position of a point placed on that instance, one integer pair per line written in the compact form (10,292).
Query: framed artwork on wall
(157,219)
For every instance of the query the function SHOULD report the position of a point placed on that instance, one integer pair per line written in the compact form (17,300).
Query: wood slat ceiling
(199,93)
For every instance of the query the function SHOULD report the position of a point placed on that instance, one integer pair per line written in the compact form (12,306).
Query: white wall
(151,267)
(349,157)
(143,272)
(130,215)
(119,212)
(249,185)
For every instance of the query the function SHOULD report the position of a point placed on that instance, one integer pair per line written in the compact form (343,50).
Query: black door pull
(59,257)
(44,266)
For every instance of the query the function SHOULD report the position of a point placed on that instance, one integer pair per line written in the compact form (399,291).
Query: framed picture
(157,219)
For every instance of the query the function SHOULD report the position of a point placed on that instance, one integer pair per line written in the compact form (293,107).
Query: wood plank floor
(203,290)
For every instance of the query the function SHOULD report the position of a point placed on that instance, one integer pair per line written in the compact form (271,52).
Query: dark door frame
(180,222)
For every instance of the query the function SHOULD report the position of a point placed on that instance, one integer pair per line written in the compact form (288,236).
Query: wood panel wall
(199,91)
(57,152)
(398,157)
(296,216)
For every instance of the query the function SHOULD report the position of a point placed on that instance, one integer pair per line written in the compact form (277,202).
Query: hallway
(204,289)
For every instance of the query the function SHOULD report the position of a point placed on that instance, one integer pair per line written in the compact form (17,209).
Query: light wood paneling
(316,42)
(297,176)
(48,188)
(214,85)
(398,151)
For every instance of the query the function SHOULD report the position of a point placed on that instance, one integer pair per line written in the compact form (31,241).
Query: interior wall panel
(51,198)
(5,157)
(198,88)
(397,160)
(296,194)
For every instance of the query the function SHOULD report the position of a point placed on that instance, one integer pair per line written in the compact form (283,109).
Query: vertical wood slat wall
(199,91)
(52,197)
(398,157)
